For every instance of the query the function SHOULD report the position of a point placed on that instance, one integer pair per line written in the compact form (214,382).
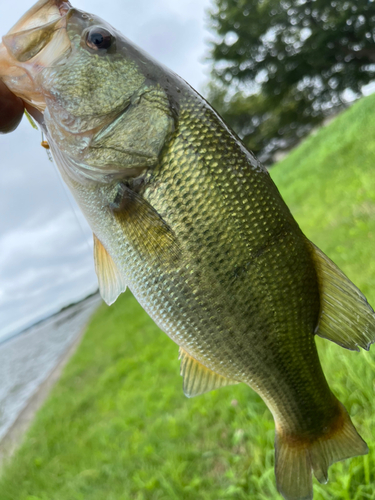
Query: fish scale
(192,223)
(241,243)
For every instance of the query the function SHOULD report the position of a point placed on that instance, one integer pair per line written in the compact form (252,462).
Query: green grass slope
(117,426)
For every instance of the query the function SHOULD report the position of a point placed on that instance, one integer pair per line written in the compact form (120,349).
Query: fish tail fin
(297,457)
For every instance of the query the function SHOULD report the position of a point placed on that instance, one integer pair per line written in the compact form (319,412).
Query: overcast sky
(45,244)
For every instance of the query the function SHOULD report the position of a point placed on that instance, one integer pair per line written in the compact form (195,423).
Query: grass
(117,426)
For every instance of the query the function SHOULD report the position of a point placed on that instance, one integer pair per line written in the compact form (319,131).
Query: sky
(45,243)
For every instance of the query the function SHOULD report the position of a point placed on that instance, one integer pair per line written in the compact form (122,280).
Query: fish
(190,221)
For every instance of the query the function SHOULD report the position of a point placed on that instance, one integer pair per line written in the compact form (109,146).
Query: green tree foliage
(281,67)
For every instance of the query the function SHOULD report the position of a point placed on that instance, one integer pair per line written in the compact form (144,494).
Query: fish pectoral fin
(111,282)
(150,235)
(346,317)
(197,378)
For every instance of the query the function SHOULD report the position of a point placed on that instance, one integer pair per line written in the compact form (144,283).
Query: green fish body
(188,219)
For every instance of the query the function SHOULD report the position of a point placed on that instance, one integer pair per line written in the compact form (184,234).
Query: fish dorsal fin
(346,317)
(197,378)
(111,282)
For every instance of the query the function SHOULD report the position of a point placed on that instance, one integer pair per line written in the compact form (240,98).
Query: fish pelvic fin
(111,281)
(297,457)
(346,317)
(197,378)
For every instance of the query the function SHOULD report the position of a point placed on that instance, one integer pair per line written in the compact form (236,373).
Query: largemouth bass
(191,222)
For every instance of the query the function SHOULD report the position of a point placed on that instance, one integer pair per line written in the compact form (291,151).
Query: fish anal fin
(346,317)
(111,281)
(298,457)
(197,378)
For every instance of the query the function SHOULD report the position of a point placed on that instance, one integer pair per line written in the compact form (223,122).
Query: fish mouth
(35,42)
(42,13)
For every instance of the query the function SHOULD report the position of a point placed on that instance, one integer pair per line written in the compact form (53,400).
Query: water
(27,359)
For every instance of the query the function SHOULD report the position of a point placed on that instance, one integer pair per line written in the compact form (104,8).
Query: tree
(281,67)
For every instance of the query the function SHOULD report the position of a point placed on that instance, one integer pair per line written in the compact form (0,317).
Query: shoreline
(13,438)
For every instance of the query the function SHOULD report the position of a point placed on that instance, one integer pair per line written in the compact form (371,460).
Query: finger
(11,110)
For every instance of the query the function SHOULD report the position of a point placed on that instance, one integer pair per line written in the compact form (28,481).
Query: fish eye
(99,38)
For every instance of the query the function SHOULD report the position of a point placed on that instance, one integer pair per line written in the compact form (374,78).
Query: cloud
(173,32)
(45,244)
(42,269)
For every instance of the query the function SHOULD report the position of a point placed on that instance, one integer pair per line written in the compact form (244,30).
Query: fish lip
(43,15)
(25,51)
(40,14)
(64,6)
